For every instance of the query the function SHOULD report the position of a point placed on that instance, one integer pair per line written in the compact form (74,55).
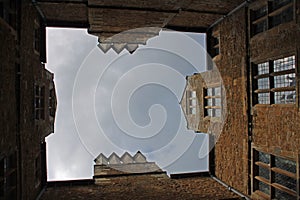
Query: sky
(110,102)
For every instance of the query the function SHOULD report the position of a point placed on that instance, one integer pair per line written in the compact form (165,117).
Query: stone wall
(21,135)
(107,169)
(231,149)
(144,187)
(8,110)
(276,127)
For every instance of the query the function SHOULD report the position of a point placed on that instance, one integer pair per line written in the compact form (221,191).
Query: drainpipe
(41,193)
(230,13)
(229,188)
(39,10)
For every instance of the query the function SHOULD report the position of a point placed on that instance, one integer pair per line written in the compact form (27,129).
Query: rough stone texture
(32,131)
(124,165)
(199,122)
(231,149)
(282,138)
(154,13)
(8,105)
(144,187)
(65,13)
(276,127)
(106,18)
(20,70)
(8,108)
(264,46)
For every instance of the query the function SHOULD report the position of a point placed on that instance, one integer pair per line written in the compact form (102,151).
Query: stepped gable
(139,158)
(114,166)
(101,160)
(114,159)
(126,158)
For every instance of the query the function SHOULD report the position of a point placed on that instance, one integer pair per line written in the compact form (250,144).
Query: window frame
(265,20)
(52,102)
(273,87)
(270,182)
(39,102)
(213,97)
(191,96)
(8,176)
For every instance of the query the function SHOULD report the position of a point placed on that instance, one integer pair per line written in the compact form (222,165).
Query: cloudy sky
(127,102)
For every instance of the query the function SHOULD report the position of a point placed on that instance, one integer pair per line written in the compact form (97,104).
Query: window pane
(284,64)
(209,102)
(217,91)
(263,157)
(193,94)
(282,195)
(193,111)
(285,97)
(210,112)
(263,68)
(263,83)
(193,102)
(286,181)
(264,188)
(263,172)
(260,27)
(217,112)
(279,3)
(209,92)
(285,164)
(37,91)
(264,98)
(286,80)
(260,12)
(217,101)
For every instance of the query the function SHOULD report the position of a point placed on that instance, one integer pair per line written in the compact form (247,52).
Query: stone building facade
(27,101)
(133,177)
(250,108)
(256,52)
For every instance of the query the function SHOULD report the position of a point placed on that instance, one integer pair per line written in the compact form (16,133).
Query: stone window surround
(269,183)
(264,17)
(268,90)
(213,106)
(39,102)
(8,181)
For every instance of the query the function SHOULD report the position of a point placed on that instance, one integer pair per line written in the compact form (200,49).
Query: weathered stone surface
(122,166)
(231,149)
(144,187)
